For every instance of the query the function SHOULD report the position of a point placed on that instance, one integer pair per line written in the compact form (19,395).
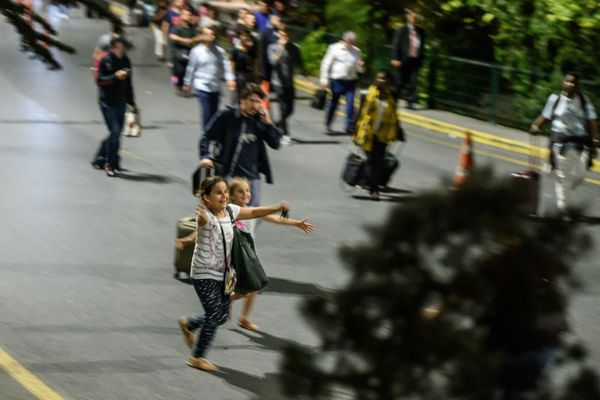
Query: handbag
(319,98)
(230,278)
(251,276)
(132,126)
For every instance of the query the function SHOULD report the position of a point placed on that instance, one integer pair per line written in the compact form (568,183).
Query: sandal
(244,323)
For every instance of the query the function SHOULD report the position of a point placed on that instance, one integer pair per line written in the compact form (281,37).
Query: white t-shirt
(569,118)
(208,260)
(340,63)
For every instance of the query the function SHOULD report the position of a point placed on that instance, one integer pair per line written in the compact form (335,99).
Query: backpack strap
(555,105)
(588,128)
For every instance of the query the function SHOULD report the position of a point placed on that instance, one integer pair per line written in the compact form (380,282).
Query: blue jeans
(209,104)
(255,191)
(114,117)
(216,310)
(346,88)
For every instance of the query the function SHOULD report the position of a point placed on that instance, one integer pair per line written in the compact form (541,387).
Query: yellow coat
(368,118)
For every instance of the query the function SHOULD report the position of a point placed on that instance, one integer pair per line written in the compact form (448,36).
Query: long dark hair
(209,183)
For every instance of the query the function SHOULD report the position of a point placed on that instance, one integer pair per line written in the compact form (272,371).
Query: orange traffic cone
(466,162)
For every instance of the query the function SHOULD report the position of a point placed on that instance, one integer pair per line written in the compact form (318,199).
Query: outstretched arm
(302,224)
(259,212)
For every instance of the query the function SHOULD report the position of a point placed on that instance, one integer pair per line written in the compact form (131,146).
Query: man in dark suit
(408,49)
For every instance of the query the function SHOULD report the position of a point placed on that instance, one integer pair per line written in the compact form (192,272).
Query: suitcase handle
(197,179)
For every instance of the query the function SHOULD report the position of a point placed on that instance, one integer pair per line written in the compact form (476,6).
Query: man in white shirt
(207,65)
(573,136)
(339,71)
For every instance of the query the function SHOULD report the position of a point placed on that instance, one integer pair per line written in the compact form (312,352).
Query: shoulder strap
(587,126)
(224,241)
(583,105)
(238,150)
(555,105)
(230,212)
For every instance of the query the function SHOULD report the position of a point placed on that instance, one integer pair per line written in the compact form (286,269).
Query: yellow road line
(449,129)
(29,381)
(129,154)
(491,155)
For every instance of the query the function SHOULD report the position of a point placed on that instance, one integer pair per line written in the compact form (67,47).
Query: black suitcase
(355,169)
(183,258)
(390,165)
(319,99)
(528,182)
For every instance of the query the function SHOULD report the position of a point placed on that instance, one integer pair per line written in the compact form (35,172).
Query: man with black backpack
(241,135)
(573,133)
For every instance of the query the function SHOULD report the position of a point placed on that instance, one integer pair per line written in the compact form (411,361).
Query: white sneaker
(285,140)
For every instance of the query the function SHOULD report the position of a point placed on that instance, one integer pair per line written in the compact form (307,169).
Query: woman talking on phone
(241,133)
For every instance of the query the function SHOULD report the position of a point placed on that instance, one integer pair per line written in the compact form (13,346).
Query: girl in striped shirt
(214,232)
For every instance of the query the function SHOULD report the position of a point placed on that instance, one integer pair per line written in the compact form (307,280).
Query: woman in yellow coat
(377,126)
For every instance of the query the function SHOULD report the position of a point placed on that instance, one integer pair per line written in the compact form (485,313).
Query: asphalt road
(87,300)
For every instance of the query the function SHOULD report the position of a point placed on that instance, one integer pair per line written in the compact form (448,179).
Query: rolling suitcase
(529,183)
(390,165)
(183,258)
(354,169)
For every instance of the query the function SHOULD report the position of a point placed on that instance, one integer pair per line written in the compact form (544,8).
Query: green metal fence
(498,94)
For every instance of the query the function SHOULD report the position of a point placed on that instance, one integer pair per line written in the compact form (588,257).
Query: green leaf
(488,17)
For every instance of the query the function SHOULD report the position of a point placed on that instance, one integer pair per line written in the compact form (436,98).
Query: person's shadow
(285,286)
(143,177)
(384,198)
(266,340)
(263,388)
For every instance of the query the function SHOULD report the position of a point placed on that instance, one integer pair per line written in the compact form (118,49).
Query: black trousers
(179,67)
(375,164)
(285,98)
(407,77)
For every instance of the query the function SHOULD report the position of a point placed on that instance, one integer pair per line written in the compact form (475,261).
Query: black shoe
(110,172)
(97,164)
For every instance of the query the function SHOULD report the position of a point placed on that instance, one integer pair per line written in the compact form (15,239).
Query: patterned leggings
(216,310)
